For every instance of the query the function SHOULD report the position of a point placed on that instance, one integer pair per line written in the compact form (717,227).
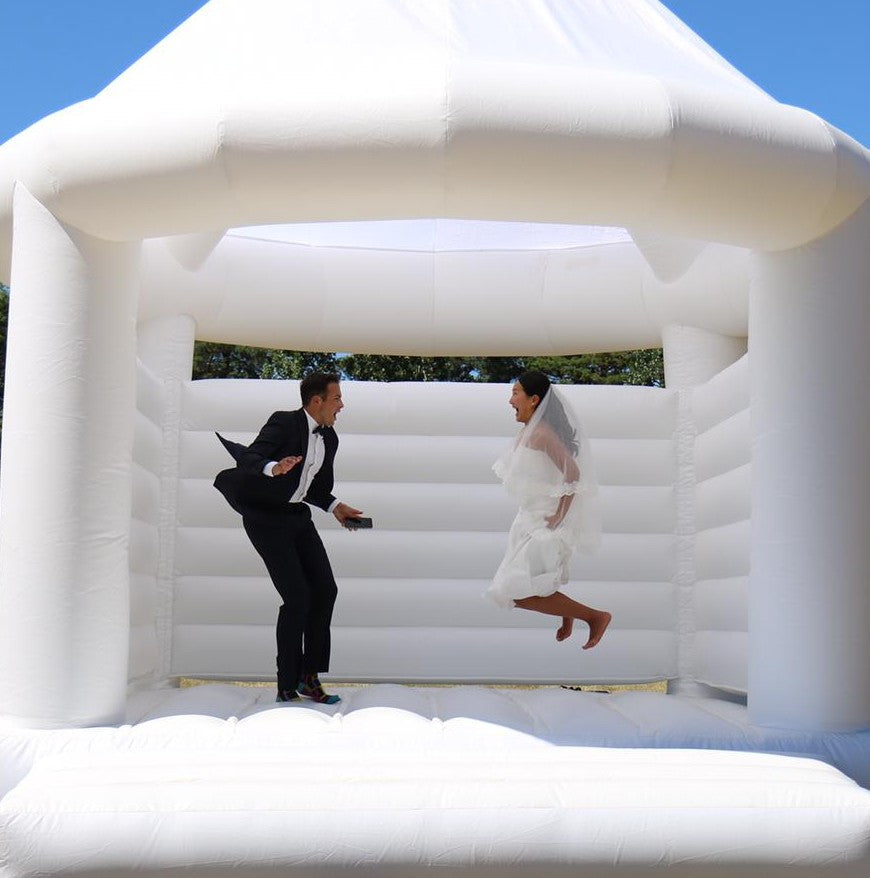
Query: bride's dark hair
(538,384)
(535,384)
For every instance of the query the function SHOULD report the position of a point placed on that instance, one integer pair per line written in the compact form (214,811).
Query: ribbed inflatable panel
(417,458)
(144,661)
(722,512)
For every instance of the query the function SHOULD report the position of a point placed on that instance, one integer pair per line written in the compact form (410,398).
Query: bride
(548,470)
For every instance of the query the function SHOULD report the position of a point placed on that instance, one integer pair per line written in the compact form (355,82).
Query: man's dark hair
(315,384)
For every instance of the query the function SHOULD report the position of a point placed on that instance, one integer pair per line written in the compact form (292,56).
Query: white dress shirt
(310,466)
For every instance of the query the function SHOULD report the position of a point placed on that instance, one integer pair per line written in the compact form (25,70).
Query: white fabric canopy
(437,235)
(604,113)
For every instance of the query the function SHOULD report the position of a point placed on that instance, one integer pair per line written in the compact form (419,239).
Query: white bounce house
(443,178)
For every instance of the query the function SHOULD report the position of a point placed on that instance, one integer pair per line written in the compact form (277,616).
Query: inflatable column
(809,586)
(65,498)
(166,350)
(692,356)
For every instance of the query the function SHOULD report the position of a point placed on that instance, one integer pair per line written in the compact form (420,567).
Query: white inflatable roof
(603,113)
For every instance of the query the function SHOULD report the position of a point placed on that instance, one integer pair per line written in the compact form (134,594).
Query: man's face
(324,409)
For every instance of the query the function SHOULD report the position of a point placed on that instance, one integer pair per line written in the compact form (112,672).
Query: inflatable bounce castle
(442,178)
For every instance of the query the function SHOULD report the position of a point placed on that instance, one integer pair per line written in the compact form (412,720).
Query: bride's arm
(547,441)
(554,520)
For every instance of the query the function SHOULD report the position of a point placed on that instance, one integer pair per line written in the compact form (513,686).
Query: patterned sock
(310,687)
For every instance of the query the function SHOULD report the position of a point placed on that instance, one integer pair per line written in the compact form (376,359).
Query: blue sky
(811,53)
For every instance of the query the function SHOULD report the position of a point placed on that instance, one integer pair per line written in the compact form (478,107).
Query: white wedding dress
(538,556)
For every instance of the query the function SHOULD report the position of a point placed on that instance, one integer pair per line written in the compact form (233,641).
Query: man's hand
(342,512)
(285,465)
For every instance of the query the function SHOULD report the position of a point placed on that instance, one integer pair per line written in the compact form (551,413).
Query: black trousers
(293,552)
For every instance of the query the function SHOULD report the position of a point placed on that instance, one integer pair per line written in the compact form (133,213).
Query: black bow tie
(319,430)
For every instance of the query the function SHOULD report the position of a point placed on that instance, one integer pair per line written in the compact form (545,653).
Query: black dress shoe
(288,695)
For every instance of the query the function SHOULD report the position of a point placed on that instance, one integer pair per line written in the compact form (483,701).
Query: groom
(287,467)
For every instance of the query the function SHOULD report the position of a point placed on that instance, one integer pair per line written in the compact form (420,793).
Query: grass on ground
(658,686)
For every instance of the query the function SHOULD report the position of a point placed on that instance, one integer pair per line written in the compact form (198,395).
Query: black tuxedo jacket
(248,490)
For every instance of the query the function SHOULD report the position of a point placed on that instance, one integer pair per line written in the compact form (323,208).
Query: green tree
(297,364)
(498,370)
(625,367)
(378,367)
(213,360)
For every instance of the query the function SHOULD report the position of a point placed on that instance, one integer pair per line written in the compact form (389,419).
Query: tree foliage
(213,360)
(625,367)
(377,367)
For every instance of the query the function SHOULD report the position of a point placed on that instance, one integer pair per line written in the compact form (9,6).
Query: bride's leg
(559,604)
(565,629)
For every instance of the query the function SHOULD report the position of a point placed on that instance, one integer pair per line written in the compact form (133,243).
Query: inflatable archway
(646,189)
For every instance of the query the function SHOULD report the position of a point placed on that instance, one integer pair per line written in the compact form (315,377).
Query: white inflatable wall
(417,458)
(147,471)
(722,512)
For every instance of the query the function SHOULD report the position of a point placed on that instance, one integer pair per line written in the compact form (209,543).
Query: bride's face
(523,404)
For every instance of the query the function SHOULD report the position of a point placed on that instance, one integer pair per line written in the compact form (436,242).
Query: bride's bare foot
(565,629)
(597,627)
